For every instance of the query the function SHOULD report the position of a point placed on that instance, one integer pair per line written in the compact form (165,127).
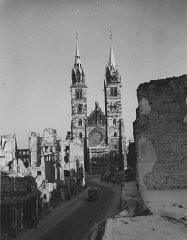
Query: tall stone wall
(160,132)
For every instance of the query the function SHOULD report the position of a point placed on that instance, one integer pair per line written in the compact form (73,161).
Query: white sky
(37,48)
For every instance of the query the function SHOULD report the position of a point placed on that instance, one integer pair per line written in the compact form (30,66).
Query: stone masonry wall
(160,132)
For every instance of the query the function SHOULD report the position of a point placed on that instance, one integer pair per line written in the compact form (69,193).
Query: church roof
(96,117)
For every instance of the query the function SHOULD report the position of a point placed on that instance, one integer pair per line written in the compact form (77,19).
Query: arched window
(80,122)
(113,91)
(115,134)
(115,146)
(80,135)
(78,94)
(80,108)
(114,121)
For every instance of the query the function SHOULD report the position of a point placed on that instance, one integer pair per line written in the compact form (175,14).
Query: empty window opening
(80,108)
(113,91)
(80,122)
(78,93)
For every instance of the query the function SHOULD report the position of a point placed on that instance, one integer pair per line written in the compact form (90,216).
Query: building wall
(96,127)
(45,154)
(13,214)
(34,148)
(98,159)
(8,146)
(76,114)
(114,112)
(51,154)
(73,165)
(96,135)
(76,153)
(160,133)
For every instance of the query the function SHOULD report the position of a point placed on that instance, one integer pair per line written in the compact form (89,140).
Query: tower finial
(111,61)
(76,34)
(110,34)
(77,54)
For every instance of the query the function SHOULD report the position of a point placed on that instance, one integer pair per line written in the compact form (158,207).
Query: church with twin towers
(100,132)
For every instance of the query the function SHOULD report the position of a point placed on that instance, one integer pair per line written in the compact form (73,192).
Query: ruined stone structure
(102,134)
(160,133)
(42,160)
(51,153)
(35,143)
(73,164)
(8,148)
(24,156)
(19,203)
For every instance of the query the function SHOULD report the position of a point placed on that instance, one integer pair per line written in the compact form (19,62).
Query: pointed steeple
(111,72)
(77,71)
(77,54)
(111,61)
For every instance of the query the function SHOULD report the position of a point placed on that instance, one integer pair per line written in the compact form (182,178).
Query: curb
(97,231)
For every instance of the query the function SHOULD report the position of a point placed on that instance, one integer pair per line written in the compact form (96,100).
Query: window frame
(78,94)
(113,91)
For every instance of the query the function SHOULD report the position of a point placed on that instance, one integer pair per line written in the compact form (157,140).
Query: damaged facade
(8,147)
(73,164)
(19,202)
(160,133)
(24,172)
(45,160)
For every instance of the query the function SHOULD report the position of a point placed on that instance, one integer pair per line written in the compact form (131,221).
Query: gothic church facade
(101,133)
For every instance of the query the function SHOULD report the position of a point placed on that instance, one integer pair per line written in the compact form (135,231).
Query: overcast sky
(37,49)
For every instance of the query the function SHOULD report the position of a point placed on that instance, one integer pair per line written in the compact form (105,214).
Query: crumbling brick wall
(160,132)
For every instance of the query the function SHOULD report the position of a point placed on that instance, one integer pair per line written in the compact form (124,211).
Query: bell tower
(78,97)
(113,106)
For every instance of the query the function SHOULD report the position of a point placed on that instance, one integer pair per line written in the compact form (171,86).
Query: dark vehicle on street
(92,193)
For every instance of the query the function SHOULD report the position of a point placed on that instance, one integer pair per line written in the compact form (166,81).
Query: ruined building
(19,194)
(8,148)
(42,160)
(160,133)
(19,203)
(45,159)
(101,133)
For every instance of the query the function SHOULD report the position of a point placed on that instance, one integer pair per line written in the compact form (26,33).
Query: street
(73,219)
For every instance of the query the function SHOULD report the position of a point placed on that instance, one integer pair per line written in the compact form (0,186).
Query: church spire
(77,54)
(111,72)
(78,75)
(111,61)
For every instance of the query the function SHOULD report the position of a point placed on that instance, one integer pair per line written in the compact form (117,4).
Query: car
(92,193)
